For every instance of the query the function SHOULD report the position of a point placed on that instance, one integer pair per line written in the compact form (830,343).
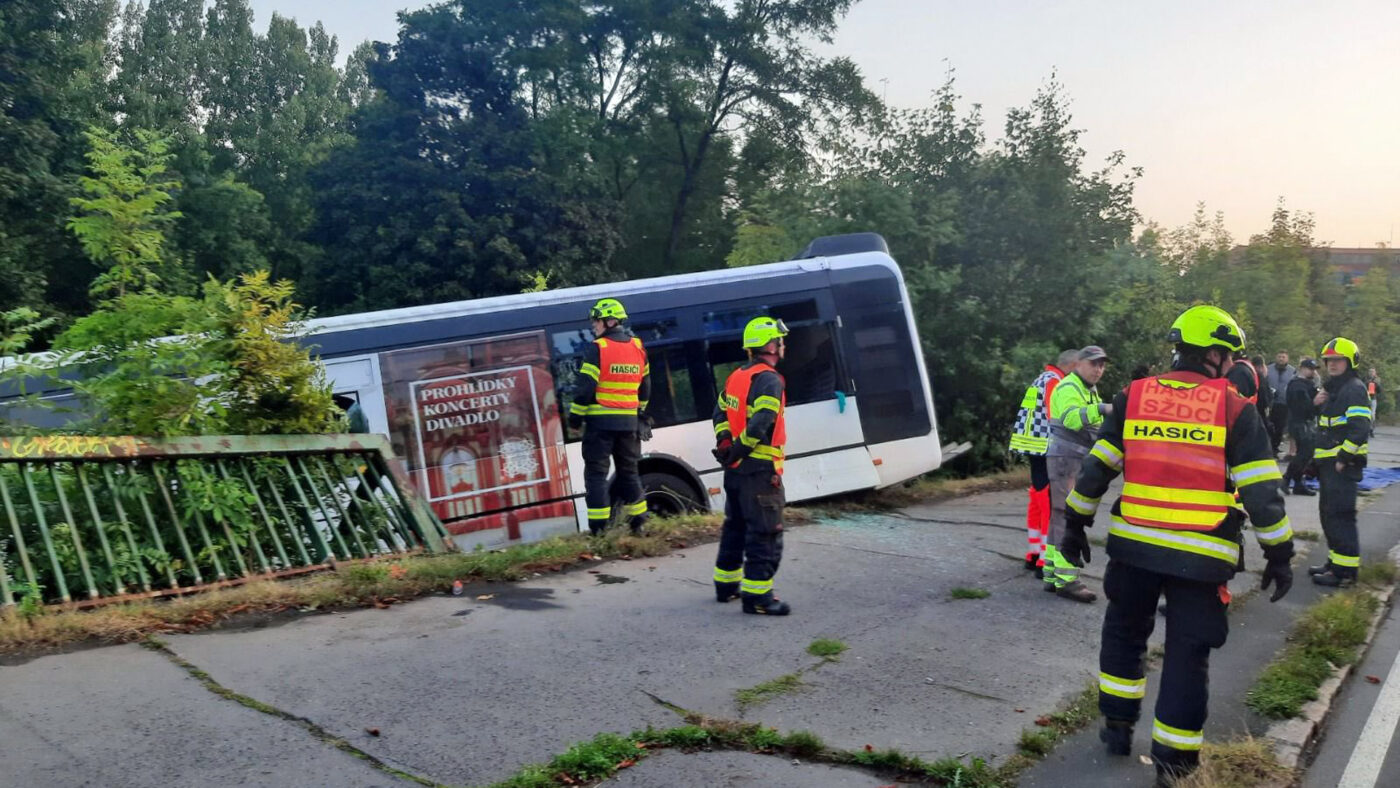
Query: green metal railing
(100,519)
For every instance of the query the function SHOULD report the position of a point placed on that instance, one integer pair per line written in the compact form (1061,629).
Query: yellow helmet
(762,330)
(1341,347)
(1207,326)
(607,308)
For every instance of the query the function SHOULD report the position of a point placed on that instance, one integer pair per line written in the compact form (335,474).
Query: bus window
(887,376)
(567,349)
(672,390)
(809,367)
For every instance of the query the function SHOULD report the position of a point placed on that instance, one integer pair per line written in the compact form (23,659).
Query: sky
(1233,104)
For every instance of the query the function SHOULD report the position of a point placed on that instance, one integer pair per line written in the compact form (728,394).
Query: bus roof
(621,289)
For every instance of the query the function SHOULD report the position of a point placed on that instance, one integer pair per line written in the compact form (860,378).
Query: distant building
(1350,263)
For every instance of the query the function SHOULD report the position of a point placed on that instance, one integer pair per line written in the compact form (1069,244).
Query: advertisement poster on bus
(478,424)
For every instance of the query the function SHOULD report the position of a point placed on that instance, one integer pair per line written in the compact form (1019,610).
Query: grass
(1328,634)
(969,593)
(1378,574)
(762,693)
(925,489)
(607,753)
(1244,763)
(826,648)
(378,582)
(1038,742)
(1307,536)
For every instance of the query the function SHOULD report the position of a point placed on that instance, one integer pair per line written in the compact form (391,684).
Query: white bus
(471,393)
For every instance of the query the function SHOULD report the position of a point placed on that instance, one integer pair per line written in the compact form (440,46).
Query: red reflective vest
(1174,468)
(736,409)
(621,367)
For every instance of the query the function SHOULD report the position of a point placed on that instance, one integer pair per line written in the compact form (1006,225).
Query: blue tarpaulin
(1371,479)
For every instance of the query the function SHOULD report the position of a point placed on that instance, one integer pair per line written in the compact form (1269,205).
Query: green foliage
(123,219)
(969,593)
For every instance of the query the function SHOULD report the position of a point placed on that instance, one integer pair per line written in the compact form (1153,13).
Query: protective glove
(1074,545)
(575,421)
(1279,572)
(721,451)
(644,423)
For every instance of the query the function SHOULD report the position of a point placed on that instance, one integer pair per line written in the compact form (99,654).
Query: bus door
(357,377)
(826,451)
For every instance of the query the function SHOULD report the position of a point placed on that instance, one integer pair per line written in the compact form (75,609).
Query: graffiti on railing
(37,446)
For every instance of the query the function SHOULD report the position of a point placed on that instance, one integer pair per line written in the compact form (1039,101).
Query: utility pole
(885,94)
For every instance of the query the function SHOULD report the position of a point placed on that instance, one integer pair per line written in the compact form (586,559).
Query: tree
(122,222)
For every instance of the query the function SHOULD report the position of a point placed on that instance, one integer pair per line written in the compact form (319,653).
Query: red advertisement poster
(478,424)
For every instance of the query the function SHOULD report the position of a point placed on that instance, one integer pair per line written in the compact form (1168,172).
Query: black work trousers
(602,448)
(1278,422)
(1303,434)
(1336,505)
(1196,623)
(753,530)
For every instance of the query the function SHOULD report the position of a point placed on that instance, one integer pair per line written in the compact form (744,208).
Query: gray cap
(1309,363)
(1092,353)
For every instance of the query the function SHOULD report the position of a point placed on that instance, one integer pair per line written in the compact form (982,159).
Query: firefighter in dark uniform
(610,404)
(1184,441)
(1343,427)
(750,432)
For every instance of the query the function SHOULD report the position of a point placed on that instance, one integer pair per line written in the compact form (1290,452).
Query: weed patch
(826,648)
(969,593)
(1245,763)
(1036,743)
(1377,574)
(762,693)
(377,583)
(1307,536)
(1327,635)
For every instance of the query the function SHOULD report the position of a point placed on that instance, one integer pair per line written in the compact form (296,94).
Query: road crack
(208,682)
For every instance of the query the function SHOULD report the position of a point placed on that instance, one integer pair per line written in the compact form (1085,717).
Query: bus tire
(668,495)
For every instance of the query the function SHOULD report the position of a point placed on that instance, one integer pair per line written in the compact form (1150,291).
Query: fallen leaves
(372,731)
(627,763)
(484,597)
(1374,679)
(1043,722)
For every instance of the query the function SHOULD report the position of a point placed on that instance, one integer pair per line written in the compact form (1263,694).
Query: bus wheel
(669,495)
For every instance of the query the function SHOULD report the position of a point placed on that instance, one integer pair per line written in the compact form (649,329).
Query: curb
(1290,738)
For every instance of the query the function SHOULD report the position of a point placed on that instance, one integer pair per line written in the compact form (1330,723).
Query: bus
(473,394)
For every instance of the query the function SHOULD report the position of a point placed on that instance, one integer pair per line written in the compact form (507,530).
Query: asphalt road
(466,690)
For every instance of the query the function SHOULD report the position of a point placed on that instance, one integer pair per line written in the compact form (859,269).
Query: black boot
(597,527)
(1118,735)
(726,592)
(765,605)
(1334,580)
(638,525)
(1076,591)
(1030,563)
(1300,489)
(1314,571)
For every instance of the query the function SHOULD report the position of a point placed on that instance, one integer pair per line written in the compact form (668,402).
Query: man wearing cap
(1302,415)
(1076,414)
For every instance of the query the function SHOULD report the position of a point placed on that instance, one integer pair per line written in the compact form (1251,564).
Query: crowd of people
(1198,448)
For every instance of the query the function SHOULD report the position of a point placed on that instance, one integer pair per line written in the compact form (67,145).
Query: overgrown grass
(379,582)
(1244,763)
(1377,574)
(607,753)
(762,693)
(826,648)
(969,593)
(1328,634)
(1307,536)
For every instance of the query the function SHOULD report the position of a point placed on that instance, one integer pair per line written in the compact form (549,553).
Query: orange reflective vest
(1175,475)
(621,367)
(736,409)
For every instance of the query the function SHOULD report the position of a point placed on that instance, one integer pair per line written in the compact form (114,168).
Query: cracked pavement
(466,691)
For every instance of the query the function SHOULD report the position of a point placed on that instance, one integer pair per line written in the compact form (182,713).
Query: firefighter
(750,432)
(1182,441)
(1031,437)
(1076,414)
(1344,426)
(610,404)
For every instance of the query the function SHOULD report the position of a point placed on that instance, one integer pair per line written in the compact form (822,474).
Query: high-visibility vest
(621,367)
(736,410)
(1031,435)
(1175,474)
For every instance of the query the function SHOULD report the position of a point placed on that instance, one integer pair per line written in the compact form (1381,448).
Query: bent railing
(89,520)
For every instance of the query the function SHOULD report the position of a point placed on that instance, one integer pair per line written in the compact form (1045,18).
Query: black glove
(575,421)
(1279,572)
(644,427)
(1074,545)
